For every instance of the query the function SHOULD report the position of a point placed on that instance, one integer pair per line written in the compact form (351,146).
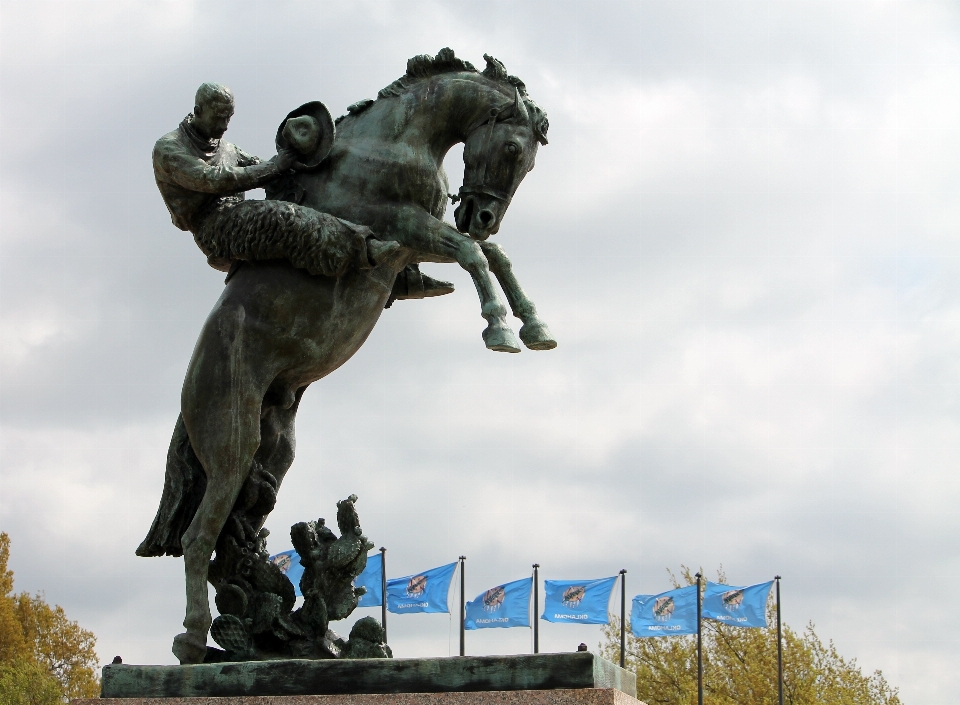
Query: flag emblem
(573,595)
(283,562)
(667,614)
(577,601)
(493,599)
(421,592)
(663,608)
(506,605)
(737,606)
(732,600)
(417,586)
(289,565)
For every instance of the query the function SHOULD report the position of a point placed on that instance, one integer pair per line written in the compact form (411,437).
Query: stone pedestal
(506,679)
(579,696)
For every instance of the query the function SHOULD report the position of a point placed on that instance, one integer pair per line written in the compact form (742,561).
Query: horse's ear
(520,108)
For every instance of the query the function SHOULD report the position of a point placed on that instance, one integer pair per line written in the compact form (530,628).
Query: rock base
(580,696)
(463,674)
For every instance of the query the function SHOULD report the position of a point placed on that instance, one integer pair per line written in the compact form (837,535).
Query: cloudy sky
(743,233)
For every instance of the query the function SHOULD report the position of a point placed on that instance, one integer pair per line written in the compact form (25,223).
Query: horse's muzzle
(477,219)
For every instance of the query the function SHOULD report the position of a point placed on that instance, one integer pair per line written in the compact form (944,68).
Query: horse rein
(490,120)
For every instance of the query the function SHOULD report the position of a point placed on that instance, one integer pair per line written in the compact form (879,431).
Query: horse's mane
(424,66)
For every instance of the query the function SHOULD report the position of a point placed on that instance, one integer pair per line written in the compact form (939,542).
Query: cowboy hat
(309,131)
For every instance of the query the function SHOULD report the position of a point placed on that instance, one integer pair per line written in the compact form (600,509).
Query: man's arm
(176,166)
(244,159)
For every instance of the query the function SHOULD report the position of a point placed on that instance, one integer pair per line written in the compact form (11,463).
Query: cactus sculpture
(256,600)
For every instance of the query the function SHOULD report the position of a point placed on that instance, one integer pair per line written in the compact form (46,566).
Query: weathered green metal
(320,260)
(334,677)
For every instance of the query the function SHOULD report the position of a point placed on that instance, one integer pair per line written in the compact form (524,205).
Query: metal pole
(383,591)
(463,608)
(699,646)
(779,644)
(623,621)
(536,608)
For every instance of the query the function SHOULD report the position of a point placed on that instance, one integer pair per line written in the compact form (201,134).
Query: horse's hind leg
(221,410)
(277,438)
(534,333)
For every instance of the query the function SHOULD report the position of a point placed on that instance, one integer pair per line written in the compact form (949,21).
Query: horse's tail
(183,489)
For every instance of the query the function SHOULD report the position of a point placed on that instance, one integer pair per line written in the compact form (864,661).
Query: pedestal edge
(563,696)
(293,677)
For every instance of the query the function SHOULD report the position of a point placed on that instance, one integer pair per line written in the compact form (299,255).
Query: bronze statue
(202,179)
(277,327)
(392,151)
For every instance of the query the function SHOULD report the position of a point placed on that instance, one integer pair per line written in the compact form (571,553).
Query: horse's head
(498,153)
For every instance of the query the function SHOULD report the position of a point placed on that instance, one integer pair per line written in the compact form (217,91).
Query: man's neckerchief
(208,147)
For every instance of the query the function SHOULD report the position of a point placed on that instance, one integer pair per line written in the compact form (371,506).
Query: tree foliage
(23,681)
(740,666)
(41,651)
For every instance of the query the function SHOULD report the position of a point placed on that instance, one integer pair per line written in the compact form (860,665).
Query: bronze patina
(311,271)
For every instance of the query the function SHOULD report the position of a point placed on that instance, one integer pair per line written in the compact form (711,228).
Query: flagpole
(779,644)
(699,646)
(623,612)
(536,608)
(383,591)
(463,638)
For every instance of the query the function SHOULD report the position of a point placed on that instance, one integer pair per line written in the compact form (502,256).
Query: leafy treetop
(44,657)
(740,666)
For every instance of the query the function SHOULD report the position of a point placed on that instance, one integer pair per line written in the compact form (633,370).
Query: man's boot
(411,283)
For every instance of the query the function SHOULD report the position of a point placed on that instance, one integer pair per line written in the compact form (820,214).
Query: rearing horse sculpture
(277,329)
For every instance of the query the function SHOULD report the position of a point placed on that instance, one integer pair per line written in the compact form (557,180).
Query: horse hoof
(536,336)
(189,648)
(500,339)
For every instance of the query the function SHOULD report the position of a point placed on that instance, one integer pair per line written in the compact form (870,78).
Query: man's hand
(285,160)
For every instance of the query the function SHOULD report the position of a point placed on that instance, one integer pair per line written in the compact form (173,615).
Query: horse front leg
(534,332)
(498,335)
(436,241)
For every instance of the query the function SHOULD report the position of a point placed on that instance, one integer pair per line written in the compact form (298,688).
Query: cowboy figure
(202,179)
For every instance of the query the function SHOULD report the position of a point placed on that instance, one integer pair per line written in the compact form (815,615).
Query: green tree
(12,643)
(23,681)
(740,666)
(41,650)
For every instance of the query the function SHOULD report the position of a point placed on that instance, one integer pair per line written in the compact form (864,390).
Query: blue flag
(372,579)
(289,564)
(423,592)
(737,606)
(667,614)
(507,605)
(577,601)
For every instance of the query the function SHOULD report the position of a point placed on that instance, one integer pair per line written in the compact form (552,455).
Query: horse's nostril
(486,217)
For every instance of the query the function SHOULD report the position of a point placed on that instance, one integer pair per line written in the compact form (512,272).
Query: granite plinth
(580,696)
(532,672)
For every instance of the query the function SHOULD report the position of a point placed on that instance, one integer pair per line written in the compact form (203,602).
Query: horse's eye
(513,148)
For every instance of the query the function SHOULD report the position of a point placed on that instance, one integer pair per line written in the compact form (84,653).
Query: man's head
(212,110)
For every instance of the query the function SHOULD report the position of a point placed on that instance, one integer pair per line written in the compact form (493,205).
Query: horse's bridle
(481,187)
